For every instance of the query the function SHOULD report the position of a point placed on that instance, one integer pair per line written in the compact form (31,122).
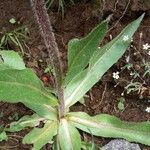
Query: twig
(10,147)
(125,10)
(91,95)
(103,94)
(103,7)
(115,7)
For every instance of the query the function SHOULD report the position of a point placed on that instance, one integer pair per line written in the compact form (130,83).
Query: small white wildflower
(131,73)
(131,46)
(122,94)
(12,20)
(147,109)
(148,53)
(134,53)
(116,75)
(126,38)
(146,46)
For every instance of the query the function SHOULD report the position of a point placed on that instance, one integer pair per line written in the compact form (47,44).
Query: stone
(120,145)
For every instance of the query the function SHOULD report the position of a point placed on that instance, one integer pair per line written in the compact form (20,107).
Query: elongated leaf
(2,40)
(110,126)
(69,136)
(11,60)
(23,86)
(25,121)
(80,51)
(41,136)
(101,61)
(44,110)
(56,144)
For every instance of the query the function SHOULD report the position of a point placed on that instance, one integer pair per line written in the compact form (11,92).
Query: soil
(79,19)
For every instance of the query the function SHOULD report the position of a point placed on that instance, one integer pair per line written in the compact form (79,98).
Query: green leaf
(11,60)
(3,136)
(2,40)
(44,110)
(89,146)
(23,86)
(41,136)
(80,51)
(13,39)
(82,101)
(68,136)
(25,121)
(110,126)
(121,103)
(56,145)
(100,62)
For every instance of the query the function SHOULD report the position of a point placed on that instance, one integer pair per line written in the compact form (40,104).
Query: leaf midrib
(51,124)
(66,127)
(83,122)
(51,109)
(78,88)
(85,79)
(28,86)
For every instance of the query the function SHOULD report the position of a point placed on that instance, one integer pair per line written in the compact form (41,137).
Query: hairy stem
(45,28)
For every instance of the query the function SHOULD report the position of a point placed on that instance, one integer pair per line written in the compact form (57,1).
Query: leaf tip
(141,17)
(109,18)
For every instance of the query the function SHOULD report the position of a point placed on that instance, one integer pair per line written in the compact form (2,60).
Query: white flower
(131,73)
(12,20)
(146,46)
(148,53)
(122,94)
(116,75)
(126,38)
(147,109)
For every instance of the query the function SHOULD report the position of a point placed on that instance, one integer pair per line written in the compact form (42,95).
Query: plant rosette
(86,65)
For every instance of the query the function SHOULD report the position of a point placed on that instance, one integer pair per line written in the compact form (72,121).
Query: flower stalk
(45,28)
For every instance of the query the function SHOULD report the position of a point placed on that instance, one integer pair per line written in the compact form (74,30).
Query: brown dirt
(78,21)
